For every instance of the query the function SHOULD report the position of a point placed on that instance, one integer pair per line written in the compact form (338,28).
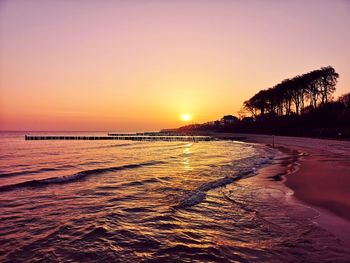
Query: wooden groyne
(148,134)
(121,137)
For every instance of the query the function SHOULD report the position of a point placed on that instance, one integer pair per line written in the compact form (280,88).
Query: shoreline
(321,180)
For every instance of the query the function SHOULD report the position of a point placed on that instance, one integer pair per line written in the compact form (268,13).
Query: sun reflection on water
(187,155)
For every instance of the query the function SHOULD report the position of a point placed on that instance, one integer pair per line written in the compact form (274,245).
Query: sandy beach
(322,180)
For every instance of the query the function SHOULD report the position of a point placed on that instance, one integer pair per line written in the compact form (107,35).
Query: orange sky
(139,65)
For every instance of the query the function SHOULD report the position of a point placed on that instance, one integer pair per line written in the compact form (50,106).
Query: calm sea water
(125,201)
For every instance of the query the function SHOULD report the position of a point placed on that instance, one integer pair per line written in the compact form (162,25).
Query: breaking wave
(198,195)
(78,176)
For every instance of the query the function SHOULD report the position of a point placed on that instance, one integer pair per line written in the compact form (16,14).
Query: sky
(124,65)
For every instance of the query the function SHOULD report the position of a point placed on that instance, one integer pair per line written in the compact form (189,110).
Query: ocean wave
(198,195)
(254,161)
(25,172)
(78,176)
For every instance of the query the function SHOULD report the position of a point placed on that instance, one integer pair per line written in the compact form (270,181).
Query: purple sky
(139,65)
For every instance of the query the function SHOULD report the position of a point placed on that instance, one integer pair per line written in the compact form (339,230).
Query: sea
(153,201)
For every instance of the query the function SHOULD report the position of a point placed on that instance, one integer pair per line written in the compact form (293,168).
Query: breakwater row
(122,137)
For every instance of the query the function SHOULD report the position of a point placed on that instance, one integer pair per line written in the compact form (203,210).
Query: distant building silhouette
(228,119)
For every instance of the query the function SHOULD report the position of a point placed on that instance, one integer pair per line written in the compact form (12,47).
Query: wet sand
(321,181)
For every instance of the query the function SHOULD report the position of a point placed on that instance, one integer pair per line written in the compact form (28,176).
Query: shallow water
(119,201)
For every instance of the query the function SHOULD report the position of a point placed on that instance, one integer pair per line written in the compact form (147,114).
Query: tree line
(295,95)
(298,106)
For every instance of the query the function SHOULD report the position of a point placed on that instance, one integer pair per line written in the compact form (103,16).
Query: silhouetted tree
(312,80)
(316,86)
(328,79)
(298,89)
(345,100)
(247,105)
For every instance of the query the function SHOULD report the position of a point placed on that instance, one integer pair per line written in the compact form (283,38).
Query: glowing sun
(186,117)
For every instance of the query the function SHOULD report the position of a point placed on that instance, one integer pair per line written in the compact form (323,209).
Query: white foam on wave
(197,196)
(247,168)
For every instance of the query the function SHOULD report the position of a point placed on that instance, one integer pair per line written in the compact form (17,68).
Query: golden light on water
(186,117)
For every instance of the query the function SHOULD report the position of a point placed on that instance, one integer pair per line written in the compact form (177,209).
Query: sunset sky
(139,65)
